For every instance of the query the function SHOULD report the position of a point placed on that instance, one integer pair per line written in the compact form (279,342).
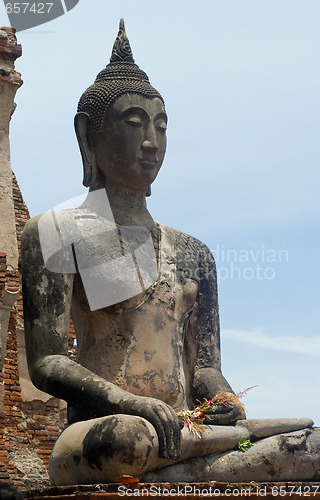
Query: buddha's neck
(128,205)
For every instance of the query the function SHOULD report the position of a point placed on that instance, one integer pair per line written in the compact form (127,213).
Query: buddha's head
(121,123)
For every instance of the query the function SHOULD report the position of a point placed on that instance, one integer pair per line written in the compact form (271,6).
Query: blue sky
(241,83)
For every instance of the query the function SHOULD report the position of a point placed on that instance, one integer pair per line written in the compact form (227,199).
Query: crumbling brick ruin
(30,420)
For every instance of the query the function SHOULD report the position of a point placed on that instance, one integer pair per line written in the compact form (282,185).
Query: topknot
(121,48)
(119,77)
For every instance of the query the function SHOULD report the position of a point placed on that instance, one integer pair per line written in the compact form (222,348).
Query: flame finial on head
(120,76)
(121,49)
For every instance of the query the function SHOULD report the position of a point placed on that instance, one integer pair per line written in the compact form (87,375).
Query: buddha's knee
(103,449)
(120,441)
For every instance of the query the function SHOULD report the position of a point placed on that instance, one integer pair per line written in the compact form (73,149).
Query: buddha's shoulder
(185,243)
(31,229)
(68,223)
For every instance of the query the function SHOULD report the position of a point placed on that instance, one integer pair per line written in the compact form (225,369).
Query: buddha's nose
(150,143)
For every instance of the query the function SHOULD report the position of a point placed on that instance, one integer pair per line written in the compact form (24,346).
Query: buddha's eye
(133,121)
(161,126)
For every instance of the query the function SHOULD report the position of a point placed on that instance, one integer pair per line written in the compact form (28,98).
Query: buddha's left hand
(209,382)
(225,415)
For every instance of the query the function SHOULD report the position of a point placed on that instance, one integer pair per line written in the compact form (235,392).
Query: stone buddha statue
(143,299)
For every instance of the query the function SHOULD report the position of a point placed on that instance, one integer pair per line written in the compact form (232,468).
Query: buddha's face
(130,148)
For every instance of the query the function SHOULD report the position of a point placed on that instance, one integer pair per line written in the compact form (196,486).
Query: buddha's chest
(141,350)
(151,329)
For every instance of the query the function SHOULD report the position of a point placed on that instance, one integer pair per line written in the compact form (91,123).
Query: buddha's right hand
(164,420)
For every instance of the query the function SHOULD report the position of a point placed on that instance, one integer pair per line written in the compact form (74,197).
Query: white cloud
(288,343)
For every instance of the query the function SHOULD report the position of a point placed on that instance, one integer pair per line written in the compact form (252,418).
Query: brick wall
(30,420)
(12,428)
(28,428)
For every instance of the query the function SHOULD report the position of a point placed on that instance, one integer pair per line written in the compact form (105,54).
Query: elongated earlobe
(82,125)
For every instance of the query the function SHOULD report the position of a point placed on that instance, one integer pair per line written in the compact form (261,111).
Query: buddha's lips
(148,162)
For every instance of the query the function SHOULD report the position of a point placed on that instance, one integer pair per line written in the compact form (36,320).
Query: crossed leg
(100,450)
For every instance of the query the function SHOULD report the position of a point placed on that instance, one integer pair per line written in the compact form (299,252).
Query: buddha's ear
(82,125)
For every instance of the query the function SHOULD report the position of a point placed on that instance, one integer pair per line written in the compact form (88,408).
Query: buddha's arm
(47,302)
(207,378)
